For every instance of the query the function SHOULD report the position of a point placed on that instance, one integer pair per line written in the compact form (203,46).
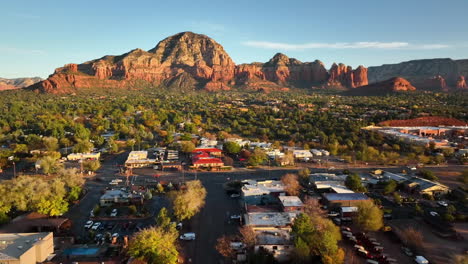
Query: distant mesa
(17,83)
(424,121)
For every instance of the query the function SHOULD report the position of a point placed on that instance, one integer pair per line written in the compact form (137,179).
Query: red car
(157,175)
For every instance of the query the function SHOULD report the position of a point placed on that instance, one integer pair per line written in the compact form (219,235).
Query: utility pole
(12,158)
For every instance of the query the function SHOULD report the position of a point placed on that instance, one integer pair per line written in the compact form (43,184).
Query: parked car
(333,214)
(115,235)
(96,226)
(235,195)
(114,213)
(407,251)
(442,203)
(421,260)
(235,217)
(433,213)
(187,236)
(88,224)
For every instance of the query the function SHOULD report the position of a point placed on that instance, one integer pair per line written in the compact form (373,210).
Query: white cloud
(342,45)
(8,49)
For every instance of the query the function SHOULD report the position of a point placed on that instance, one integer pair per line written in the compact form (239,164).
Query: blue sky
(39,36)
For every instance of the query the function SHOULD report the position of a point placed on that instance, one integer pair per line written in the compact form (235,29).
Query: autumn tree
(187,146)
(154,245)
(257,157)
(369,217)
(163,220)
(291,184)
(312,207)
(223,246)
(189,201)
(248,236)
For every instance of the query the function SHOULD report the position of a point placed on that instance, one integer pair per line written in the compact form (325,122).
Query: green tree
(232,147)
(257,157)
(369,217)
(83,146)
(74,193)
(189,201)
(353,182)
(91,165)
(390,186)
(154,245)
(52,207)
(49,164)
(427,174)
(163,220)
(397,198)
(187,146)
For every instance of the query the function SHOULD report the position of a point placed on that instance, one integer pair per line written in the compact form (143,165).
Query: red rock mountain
(17,83)
(391,85)
(429,74)
(189,61)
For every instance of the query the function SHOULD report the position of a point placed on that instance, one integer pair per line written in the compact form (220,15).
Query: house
(276,241)
(302,154)
(270,220)
(347,212)
(423,186)
(25,248)
(204,160)
(211,151)
(343,199)
(254,188)
(291,204)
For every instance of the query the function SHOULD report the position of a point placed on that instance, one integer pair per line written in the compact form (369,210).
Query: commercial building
(84,156)
(423,186)
(112,197)
(210,151)
(344,199)
(204,160)
(276,241)
(291,204)
(254,188)
(270,220)
(25,248)
(139,159)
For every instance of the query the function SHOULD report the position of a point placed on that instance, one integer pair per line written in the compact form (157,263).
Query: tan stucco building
(25,248)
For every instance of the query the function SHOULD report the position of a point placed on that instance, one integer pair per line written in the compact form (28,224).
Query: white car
(187,236)
(115,235)
(114,213)
(233,217)
(434,213)
(88,224)
(117,180)
(333,214)
(96,226)
(235,195)
(442,203)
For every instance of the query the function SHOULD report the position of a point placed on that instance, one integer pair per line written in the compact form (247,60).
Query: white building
(253,188)
(302,154)
(84,156)
(270,220)
(276,241)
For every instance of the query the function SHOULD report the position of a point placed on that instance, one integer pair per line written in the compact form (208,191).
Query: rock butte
(188,60)
(193,61)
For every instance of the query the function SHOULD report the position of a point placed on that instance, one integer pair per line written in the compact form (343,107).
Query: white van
(187,236)
(421,260)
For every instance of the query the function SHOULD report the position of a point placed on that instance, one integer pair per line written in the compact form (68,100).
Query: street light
(12,158)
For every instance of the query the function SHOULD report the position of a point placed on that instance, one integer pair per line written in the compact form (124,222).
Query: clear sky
(38,36)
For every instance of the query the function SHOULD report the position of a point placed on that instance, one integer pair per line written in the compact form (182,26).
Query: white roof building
(289,201)
(259,221)
(261,188)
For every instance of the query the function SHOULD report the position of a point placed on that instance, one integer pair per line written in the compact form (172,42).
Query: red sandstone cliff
(189,61)
(396,84)
(461,83)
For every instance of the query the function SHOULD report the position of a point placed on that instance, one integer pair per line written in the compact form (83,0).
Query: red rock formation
(396,84)
(461,83)
(189,60)
(344,76)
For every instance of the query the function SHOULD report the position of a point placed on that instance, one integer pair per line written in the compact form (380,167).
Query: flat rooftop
(290,201)
(345,196)
(271,219)
(273,237)
(13,245)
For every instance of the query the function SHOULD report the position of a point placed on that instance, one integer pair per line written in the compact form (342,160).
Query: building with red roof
(211,151)
(204,160)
